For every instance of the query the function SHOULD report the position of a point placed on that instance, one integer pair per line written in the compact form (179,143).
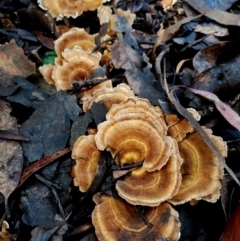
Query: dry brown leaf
(10,152)
(13,62)
(212,28)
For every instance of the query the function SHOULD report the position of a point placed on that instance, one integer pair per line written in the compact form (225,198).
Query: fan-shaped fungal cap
(87,156)
(178,128)
(132,141)
(67,8)
(139,109)
(201,170)
(46,71)
(74,37)
(88,5)
(116,220)
(151,188)
(76,65)
(87,95)
(134,136)
(111,96)
(60,8)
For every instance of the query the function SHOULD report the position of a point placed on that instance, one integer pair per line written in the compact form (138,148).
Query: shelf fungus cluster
(74,59)
(169,164)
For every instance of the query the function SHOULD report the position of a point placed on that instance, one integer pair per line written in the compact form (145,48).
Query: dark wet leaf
(13,62)
(216,54)
(123,26)
(79,126)
(49,126)
(134,6)
(38,165)
(222,80)
(89,237)
(6,91)
(33,18)
(19,33)
(99,112)
(188,39)
(45,41)
(123,56)
(204,5)
(165,35)
(26,93)
(10,152)
(222,17)
(39,234)
(39,207)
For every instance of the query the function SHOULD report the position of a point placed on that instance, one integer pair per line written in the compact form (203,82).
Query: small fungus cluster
(74,59)
(177,167)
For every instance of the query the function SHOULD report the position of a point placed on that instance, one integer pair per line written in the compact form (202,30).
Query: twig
(10,136)
(105,41)
(143,217)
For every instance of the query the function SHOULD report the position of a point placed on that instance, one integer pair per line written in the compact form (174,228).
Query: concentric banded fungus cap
(201,170)
(111,96)
(87,95)
(67,8)
(60,8)
(135,109)
(151,188)
(74,37)
(116,220)
(77,65)
(178,128)
(134,136)
(88,5)
(87,156)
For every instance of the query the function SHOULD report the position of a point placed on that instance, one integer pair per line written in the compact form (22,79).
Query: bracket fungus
(201,170)
(67,8)
(87,156)
(152,188)
(77,65)
(74,37)
(74,60)
(114,219)
(136,135)
(109,96)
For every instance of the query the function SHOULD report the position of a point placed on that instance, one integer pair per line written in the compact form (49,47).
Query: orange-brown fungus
(109,96)
(77,65)
(46,71)
(74,37)
(116,220)
(87,95)
(178,128)
(201,170)
(152,188)
(136,135)
(67,8)
(87,156)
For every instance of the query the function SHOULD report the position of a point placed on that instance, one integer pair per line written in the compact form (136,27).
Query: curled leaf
(227,112)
